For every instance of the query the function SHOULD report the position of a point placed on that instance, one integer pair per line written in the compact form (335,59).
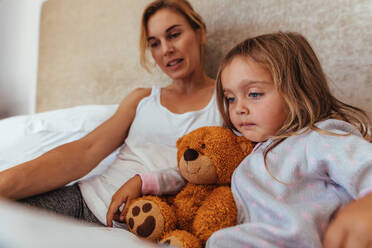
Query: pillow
(28,136)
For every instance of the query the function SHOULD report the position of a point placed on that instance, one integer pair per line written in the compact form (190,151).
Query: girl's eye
(255,95)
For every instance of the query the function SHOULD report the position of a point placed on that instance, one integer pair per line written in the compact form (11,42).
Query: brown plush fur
(207,157)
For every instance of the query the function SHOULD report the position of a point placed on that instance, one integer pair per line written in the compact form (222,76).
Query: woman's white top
(150,145)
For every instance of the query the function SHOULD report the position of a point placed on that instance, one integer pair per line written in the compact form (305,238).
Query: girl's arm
(127,192)
(163,182)
(348,162)
(72,160)
(352,226)
(168,181)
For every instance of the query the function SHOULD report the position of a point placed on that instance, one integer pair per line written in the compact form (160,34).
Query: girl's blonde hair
(181,6)
(299,78)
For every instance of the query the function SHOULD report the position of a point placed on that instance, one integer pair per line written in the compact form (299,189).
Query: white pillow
(26,137)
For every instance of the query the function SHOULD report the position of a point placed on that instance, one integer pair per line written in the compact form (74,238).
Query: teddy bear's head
(209,155)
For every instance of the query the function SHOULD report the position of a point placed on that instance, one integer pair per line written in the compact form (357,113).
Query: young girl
(311,158)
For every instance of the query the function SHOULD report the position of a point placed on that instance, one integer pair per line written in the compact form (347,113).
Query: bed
(88,62)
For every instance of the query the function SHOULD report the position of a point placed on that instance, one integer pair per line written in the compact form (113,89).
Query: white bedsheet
(26,137)
(32,228)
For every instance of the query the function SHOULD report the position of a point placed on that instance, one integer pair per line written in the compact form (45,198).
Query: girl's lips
(247,125)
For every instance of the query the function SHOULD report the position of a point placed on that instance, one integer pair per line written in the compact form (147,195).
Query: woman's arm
(72,160)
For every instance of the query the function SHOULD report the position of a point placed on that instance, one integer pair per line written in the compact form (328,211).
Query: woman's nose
(167,48)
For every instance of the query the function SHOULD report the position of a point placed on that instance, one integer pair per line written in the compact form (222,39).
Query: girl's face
(256,108)
(174,45)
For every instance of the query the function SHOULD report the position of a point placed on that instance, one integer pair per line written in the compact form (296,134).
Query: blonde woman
(148,122)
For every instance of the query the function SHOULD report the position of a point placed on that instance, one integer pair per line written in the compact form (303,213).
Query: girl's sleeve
(255,235)
(346,160)
(168,181)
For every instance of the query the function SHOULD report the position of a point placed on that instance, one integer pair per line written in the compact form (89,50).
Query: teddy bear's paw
(173,241)
(181,238)
(145,219)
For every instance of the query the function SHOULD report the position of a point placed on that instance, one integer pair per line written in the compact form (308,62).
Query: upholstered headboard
(89,48)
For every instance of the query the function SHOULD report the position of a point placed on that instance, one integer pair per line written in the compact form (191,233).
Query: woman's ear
(202,36)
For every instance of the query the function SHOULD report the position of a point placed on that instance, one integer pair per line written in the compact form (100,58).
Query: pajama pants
(67,201)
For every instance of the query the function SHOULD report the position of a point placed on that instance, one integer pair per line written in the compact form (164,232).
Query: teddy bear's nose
(190,154)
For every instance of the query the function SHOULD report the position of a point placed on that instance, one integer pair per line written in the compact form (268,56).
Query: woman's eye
(174,35)
(154,44)
(230,99)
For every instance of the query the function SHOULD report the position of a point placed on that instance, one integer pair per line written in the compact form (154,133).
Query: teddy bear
(207,158)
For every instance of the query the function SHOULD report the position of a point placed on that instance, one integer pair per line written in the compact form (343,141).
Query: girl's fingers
(125,210)
(117,216)
(334,236)
(356,241)
(109,216)
(113,208)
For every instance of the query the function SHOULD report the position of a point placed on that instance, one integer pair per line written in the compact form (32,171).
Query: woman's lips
(174,64)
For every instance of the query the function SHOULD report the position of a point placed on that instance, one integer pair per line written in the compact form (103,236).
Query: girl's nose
(241,108)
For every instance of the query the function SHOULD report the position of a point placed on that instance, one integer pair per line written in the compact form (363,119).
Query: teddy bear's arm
(187,203)
(217,211)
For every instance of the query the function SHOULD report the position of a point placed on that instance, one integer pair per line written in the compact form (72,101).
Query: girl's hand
(352,226)
(130,190)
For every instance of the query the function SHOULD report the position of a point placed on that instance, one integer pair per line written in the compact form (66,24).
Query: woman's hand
(352,226)
(130,190)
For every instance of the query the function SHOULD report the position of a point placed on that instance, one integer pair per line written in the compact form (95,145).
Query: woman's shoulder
(133,98)
(140,92)
(136,95)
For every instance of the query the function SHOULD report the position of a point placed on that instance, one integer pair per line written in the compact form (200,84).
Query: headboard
(89,48)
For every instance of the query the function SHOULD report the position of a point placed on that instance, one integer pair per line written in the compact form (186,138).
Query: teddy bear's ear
(245,145)
(179,141)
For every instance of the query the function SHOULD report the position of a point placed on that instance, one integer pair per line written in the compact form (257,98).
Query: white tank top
(150,145)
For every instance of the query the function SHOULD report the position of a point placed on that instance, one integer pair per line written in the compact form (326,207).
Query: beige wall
(89,48)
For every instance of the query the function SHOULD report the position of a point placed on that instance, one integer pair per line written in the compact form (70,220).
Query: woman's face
(174,45)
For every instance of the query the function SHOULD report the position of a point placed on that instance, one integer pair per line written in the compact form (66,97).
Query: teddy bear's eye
(203,146)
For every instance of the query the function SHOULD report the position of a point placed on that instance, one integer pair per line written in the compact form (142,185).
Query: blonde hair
(181,6)
(299,78)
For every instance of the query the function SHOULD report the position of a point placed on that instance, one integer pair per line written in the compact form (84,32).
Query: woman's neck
(192,83)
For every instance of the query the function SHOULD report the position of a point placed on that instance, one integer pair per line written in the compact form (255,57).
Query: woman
(148,122)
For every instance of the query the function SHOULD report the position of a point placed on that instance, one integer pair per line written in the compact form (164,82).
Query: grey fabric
(67,201)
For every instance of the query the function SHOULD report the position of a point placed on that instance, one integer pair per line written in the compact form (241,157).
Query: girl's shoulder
(338,127)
